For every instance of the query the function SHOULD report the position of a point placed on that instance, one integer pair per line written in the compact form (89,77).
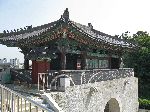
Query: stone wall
(93,97)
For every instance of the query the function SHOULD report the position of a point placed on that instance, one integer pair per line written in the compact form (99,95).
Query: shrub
(144,103)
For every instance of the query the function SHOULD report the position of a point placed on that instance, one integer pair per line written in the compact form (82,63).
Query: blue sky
(109,16)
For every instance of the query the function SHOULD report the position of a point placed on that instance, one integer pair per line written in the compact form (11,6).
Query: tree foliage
(144,103)
(140,61)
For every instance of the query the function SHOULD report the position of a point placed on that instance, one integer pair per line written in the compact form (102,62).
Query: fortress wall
(93,97)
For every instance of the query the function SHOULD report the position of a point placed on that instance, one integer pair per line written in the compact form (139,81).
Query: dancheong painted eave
(30,36)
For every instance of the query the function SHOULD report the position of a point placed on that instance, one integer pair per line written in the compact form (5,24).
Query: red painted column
(39,67)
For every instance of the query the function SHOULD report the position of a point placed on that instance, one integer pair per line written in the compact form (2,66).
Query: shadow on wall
(91,92)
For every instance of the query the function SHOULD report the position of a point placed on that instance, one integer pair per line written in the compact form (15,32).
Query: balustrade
(51,80)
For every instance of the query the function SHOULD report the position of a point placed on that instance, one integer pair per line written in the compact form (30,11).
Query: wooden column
(25,51)
(63,60)
(109,61)
(26,64)
(120,59)
(121,64)
(83,60)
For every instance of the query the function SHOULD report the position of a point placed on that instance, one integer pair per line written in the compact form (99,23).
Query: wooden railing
(12,101)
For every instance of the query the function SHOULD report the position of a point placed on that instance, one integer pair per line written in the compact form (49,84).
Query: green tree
(140,61)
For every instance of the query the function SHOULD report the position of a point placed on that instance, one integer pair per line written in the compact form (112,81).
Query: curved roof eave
(27,33)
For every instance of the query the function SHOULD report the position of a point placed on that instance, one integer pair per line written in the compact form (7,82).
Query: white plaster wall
(94,97)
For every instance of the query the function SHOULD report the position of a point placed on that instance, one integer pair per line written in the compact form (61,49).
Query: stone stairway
(52,103)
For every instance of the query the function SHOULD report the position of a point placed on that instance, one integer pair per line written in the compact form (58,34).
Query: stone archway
(112,106)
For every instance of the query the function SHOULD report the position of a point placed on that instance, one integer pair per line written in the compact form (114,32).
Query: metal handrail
(27,99)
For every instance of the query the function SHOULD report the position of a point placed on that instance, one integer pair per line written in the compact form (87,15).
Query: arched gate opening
(112,106)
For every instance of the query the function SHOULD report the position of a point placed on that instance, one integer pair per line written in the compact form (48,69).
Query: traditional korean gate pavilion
(66,45)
